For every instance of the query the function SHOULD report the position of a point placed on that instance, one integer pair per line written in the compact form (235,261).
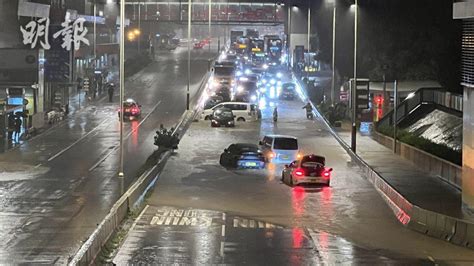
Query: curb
(450,229)
(135,194)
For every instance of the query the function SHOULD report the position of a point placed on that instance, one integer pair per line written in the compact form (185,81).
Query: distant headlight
(265,66)
(248,72)
(279,75)
(240,89)
(253,98)
(264,81)
(272,81)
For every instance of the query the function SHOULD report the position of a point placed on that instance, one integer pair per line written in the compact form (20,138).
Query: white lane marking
(77,141)
(38,165)
(138,218)
(143,120)
(222,249)
(431,258)
(223,230)
(101,160)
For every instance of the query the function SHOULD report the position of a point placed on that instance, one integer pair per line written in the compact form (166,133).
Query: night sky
(415,39)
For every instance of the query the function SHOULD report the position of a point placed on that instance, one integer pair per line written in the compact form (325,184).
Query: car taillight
(134,110)
(299,172)
(271,154)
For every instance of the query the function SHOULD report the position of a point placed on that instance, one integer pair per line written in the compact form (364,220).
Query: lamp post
(210,17)
(189,53)
(122,80)
(139,26)
(333,83)
(288,42)
(354,84)
(309,26)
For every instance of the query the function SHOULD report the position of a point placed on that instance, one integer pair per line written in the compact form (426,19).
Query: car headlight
(253,97)
(279,75)
(265,66)
(240,89)
(248,72)
(272,81)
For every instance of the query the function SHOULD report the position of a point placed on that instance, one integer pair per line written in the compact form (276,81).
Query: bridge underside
(225,13)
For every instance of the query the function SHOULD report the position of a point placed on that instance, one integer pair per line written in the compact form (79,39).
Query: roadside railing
(423,96)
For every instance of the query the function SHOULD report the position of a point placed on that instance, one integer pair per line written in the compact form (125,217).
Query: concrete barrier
(443,227)
(133,197)
(449,172)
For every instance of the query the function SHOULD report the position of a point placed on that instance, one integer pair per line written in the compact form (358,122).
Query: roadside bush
(439,150)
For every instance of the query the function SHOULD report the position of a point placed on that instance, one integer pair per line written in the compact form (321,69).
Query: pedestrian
(275,114)
(99,83)
(110,91)
(11,126)
(18,123)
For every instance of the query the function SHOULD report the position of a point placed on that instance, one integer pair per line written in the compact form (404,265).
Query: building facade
(464,10)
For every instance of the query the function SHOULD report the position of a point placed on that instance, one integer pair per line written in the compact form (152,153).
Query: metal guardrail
(423,96)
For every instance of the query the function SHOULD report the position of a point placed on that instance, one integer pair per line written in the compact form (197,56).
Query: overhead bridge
(222,12)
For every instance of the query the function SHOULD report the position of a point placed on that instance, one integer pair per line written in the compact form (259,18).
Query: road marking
(180,217)
(101,160)
(77,141)
(139,217)
(38,165)
(249,223)
(223,230)
(222,249)
(431,258)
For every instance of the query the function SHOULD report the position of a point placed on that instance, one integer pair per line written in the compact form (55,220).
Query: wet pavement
(55,188)
(167,235)
(349,218)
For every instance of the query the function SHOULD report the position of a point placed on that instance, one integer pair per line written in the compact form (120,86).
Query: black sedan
(223,117)
(242,155)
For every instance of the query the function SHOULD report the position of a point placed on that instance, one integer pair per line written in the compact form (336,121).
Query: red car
(310,169)
(198,45)
(132,110)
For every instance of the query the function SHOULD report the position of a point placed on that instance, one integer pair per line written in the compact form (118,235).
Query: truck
(235,35)
(252,33)
(273,48)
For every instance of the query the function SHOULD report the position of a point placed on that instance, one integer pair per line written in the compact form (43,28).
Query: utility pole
(354,86)
(210,17)
(395,104)
(333,83)
(122,80)
(189,53)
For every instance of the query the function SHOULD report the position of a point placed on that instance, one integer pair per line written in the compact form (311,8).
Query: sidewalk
(421,201)
(418,187)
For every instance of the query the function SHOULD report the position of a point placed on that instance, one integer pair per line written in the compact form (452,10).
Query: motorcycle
(309,115)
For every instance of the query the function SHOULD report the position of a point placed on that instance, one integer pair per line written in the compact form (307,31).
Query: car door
(227,156)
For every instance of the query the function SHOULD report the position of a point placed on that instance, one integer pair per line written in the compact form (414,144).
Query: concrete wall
(436,166)
(468,148)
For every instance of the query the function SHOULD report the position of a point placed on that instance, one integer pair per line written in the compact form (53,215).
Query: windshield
(285,144)
(224,71)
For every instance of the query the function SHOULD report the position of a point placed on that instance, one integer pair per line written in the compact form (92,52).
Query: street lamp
(333,83)
(354,85)
(122,80)
(189,53)
(210,16)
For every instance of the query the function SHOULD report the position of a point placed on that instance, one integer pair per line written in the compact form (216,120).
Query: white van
(243,111)
(280,148)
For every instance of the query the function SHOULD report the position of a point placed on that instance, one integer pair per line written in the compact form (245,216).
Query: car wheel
(221,161)
(241,119)
(327,183)
(206,117)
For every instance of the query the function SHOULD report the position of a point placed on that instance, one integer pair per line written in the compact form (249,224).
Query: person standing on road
(275,114)
(11,126)
(110,91)
(18,123)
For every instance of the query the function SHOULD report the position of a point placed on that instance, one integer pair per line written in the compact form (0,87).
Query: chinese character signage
(72,34)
